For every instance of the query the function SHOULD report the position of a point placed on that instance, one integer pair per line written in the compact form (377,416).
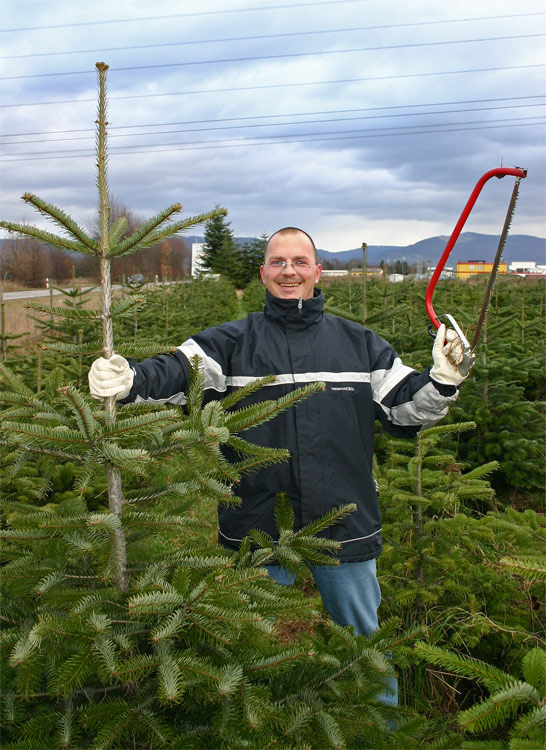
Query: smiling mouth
(296,283)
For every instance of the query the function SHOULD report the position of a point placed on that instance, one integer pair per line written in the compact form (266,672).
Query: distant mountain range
(469,246)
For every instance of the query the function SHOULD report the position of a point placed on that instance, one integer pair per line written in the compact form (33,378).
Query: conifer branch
(47,237)
(116,230)
(444,429)
(143,422)
(92,347)
(463,666)
(82,412)
(141,236)
(265,410)
(146,348)
(43,450)
(247,390)
(129,304)
(157,236)
(533,568)
(72,313)
(16,383)
(63,436)
(502,705)
(62,219)
(328,519)
(244,448)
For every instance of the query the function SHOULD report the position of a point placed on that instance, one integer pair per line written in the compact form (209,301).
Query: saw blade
(496,263)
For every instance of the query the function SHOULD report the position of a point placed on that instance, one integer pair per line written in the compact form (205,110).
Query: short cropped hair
(291,230)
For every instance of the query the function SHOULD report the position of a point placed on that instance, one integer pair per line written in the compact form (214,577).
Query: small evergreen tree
(254,296)
(252,257)
(228,261)
(220,254)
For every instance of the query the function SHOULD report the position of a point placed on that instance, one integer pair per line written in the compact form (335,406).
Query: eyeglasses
(299,264)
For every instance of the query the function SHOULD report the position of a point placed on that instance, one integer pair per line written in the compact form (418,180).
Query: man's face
(301,272)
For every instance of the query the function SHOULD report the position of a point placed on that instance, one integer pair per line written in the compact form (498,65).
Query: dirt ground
(17,319)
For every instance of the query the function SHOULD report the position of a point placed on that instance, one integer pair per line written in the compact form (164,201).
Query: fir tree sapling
(187,650)
(118,631)
(446,554)
(220,253)
(109,245)
(252,257)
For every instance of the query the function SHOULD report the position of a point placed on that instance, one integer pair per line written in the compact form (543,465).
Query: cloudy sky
(358,120)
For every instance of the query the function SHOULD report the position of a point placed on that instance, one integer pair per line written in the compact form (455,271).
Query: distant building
(527,268)
(196,255)
(372,272)
(448,272)
(333,272)
(477,268)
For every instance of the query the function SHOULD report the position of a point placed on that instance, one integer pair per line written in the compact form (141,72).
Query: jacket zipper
(300,304)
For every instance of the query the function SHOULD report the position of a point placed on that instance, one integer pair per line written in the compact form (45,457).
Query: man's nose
(289,269)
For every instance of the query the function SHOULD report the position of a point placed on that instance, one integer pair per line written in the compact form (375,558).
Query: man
(329,435)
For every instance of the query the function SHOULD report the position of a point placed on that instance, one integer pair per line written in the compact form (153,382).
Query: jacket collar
(294,313)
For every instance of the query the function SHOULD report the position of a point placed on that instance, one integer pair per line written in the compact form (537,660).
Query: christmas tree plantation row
(504,394)
(198,648)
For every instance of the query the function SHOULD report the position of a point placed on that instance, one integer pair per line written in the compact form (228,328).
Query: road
(29,293)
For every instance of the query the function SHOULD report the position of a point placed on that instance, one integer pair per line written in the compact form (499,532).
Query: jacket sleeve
(405,400)
(165,378)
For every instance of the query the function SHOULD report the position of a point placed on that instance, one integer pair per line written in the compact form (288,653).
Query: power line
(299,138)
(275,143)
(277,85)
(285,114)
(270,36)
(275,124)
(184,15)
(278,56)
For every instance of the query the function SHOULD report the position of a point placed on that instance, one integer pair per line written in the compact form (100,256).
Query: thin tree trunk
(39,372)
(364,283)
(483,358)
(115,494)
(523,320)
(420,572)
(3,326)
(410,313)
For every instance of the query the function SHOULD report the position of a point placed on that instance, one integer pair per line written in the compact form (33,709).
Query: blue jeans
(351,595)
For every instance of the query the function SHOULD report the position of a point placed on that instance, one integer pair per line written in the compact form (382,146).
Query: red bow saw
(469,350)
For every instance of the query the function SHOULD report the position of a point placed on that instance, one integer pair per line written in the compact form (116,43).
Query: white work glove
(110,377)
(447,353)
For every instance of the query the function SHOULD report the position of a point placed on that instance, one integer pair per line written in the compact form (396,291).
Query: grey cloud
(419,179)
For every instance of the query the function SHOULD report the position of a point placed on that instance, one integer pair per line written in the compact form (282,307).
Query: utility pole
(2,313)
(364,280)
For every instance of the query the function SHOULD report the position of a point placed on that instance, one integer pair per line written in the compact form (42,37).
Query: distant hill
(469,246)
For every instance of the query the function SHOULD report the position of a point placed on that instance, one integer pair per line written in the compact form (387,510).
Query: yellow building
(477,268)
(372,272)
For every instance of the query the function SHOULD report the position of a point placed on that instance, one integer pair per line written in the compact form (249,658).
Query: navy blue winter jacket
(329,435)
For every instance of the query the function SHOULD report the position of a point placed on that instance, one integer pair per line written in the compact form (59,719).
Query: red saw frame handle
(498,172)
